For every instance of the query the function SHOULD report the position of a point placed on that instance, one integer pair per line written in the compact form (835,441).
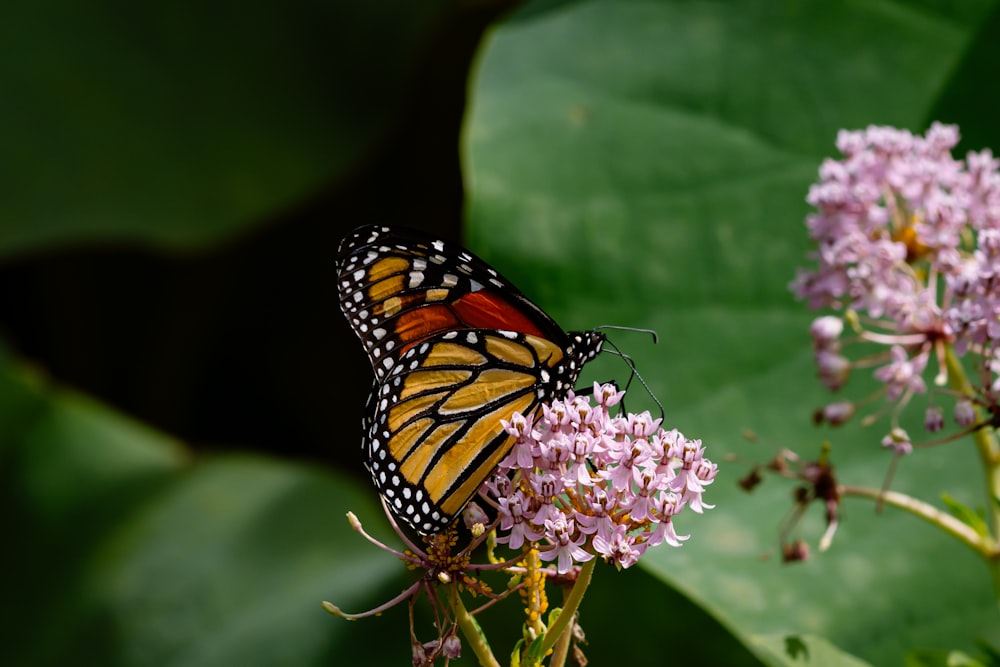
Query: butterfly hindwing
(434,426)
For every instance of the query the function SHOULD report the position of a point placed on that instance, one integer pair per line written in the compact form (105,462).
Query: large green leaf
(802,650)
(123,551)
(181,123)
(654,158)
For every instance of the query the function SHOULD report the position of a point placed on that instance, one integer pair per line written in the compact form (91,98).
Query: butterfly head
(583,347)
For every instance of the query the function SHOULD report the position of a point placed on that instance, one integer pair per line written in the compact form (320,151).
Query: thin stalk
(561,650)
(470,630)
(989,455)
(984,546)
(563,624)
(985,439)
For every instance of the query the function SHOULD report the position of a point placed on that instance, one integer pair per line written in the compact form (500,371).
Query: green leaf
(790,650)
(534,655)
(515,655)
(646,164)
(965,514)
(990,652)
(130,553)
(183,123)
(941,659)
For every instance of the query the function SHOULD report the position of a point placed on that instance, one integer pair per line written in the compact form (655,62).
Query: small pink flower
(903,374)
(580,411)
(667,505)
(556,414)
(898,441)
(640,503)
(545,488)
(620,548)
(606,395)
(515,522)
(565,548)
(599,518)
(556,452)
(518,426)
(702,474)
(642,425)
(521,455)
(578,471)
(451,647)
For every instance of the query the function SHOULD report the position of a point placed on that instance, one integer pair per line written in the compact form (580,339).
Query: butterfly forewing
(398,288)
(455,348)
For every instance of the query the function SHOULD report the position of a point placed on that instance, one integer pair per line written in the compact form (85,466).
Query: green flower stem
(946,522)
(561,650)
(989,454)
(563,624)
(986,443)
(470,630)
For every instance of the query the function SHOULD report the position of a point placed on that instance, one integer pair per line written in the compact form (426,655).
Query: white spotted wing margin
(434,432)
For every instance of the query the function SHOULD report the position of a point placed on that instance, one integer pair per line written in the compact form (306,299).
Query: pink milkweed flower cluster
(582,483)
(908,247)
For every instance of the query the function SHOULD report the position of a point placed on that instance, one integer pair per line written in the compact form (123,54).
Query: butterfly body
(455,348)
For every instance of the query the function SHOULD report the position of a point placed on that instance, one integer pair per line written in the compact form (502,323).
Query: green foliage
(655,157)
(179,124)
(942,659)
(791,650)
(128,552)
(965,514)
(634,163)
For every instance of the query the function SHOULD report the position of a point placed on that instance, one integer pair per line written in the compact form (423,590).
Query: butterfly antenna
(631,365)
(656,337)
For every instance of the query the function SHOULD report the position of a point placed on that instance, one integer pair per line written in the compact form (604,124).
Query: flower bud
(835,413)
(475,519)
(826,330)
(834,369)
(934,419)
(451,647)
(965,413)
(898,440)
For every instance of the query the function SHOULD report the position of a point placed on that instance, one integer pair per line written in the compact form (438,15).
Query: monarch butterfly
(455,348)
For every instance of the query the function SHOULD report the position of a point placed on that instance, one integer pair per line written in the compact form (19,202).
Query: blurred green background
(180,397)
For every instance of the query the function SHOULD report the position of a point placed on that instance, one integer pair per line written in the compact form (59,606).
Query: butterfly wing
(434,431)
(399,287)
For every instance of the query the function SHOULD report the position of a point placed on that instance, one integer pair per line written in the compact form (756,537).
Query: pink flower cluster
(581,483)
(908,240)
(894,198)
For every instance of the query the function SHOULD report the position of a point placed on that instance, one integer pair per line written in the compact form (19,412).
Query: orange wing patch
(492,385)
(429,380)
(411,408)
(415,465)
(455,463)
